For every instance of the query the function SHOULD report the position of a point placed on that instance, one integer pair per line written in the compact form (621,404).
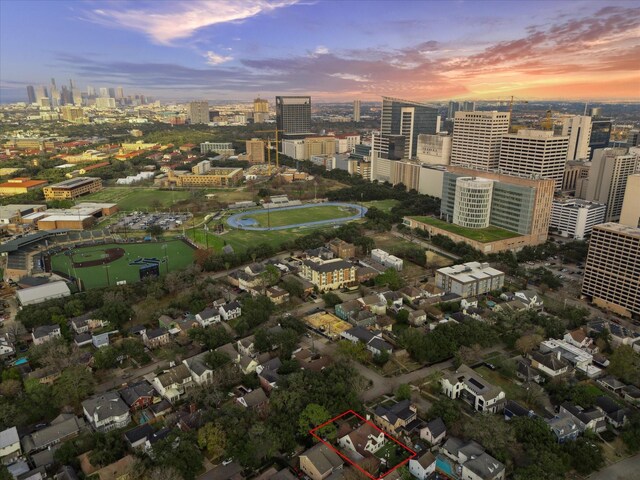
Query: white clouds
(349,76)
(321,50)
(182,19)
(215,59)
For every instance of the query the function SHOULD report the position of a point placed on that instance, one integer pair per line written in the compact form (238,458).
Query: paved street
(628,469)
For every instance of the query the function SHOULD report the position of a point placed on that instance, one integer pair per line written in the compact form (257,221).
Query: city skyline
(577,50)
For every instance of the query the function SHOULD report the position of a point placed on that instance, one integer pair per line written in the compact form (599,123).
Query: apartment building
(328,274)
(469,279)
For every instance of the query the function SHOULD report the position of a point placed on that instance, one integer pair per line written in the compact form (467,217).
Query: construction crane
(276,131)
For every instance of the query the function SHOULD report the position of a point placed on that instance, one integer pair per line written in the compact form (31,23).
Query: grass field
(483,235)
(179,254)
(131,199)
(384,205)
(280,218)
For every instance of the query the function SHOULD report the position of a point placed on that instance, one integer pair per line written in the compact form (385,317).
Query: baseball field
(102,265)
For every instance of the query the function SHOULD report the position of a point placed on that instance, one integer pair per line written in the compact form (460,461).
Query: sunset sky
(332,50)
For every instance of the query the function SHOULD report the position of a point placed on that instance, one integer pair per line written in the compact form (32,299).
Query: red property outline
(348,460)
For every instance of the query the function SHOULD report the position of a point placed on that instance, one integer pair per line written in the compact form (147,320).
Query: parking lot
(142,221)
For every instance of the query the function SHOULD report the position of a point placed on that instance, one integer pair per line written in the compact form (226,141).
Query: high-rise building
(260,105)
(535,154)
(31,94)
(612,269)
(477,137)
(607,179)
(356,110)
(468,106)
(293,115)
(76,93)
(120,93)
(453,108)
(91,91)
(105,103)
(574,172)
(600,133)
(434,149)
(633,140)
(71,113)
(104,92)
(254,151)
(409,119)
(112,92)
(575,218)
(578,128)
(630,214)
(198,112)
(41,92)
(472,207)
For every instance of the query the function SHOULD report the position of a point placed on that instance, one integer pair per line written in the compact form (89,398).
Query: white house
(6,346)
(9,445)
(173,383)
(365,439)
(44,333)
(230,311)
(201,373)
(422,466)
(208,316)
(106,412)
(386,259)
(466,384)
(434,431)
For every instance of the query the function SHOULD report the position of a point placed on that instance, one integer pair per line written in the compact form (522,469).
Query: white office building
(477,137)
(534,154)
(574,218)
(472,207)
(578,128)
(434,149)
(222,148)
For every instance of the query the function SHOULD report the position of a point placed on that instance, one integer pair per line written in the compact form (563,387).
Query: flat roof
(42,292)
(65,218)
(22,183)
(74,182)
(10,210)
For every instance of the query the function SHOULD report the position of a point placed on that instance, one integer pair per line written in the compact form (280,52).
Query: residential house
(386,259)
(394,300)
(434,431)
(319,462)
(86,323)
(417,318)
(580,339)
(277,295)
(612,384)
(342,249)
(101,340)
(173,383)
(138,395)
(616,414)
(619,334)
(527,299)
(178,325)
(468,385)
(138,436)
(363,440)
(64,427)
(231,352)
(373,342)
(423,466)
(268,373)
(375,303)
(549,363)
(631,394)
(526,372)
(255,399)
(363,318)
(587,419)
(201,373)
(10,448)
(208,316)
(346,309)
(155,337)
(45,375)
(580,359)
(246,346)
(514,409)
(393,419)
(564,427)
(248,364)
(44,333)
(309,360)
(230,311)
(119,470)
(83,339)
(7,348)
(411,294)
(475,463)
(106,412)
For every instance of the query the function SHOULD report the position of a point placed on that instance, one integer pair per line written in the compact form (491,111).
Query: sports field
(176,255)
(483,235)
(280,218)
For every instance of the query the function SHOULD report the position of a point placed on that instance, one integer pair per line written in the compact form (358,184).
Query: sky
(333,50)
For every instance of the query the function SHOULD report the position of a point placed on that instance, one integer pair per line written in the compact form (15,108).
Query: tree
(311,417)
(109,447)
(179,451)
(331,299)
(214,360)
(366,244)
(381,358)
(354,350)
(154,230)
(403,392)
(293,286)
(390,278)
(586,456)
(527,343)
(625,364)
(74,385)
(212,438)
(631,433)
(402,316)
(117,313)
(447,409)
(210,338)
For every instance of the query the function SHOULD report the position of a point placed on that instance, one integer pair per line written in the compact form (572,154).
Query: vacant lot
(171,255)
(484,235)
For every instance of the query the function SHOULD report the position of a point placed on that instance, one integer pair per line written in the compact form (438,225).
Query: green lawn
(179,254)
(280,218)
(384,205)
(484,235)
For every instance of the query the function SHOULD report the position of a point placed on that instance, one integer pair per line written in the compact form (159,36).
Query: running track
(235,220)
